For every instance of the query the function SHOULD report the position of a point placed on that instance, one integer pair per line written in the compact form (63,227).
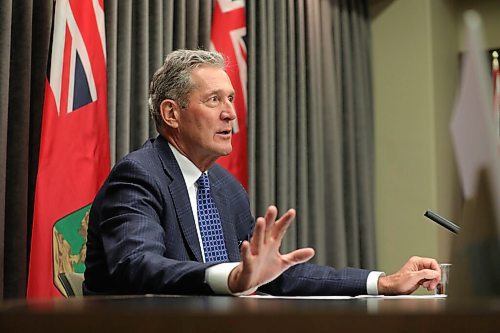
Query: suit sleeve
(311,280)
(125,223)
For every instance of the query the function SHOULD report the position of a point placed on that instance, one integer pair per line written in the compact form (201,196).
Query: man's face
(204,127)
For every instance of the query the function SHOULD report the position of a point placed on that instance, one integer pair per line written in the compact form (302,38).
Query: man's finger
(426,283)
(271,214)
(257,240)
(283,223)
(432,264)
(430,284)
(270,218)
(433,283)
(298,256)
(428,274)
(245,252)
(427,263)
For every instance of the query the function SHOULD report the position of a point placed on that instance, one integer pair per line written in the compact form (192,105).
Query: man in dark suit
(168,220)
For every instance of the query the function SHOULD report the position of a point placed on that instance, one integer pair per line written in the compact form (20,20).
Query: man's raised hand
(261,260)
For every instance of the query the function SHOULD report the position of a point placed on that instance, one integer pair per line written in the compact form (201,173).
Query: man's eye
(212,101)
(231,99)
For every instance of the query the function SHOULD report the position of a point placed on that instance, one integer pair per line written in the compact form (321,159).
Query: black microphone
(442,222)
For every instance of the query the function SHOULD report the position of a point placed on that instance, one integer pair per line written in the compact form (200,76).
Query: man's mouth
(224,132)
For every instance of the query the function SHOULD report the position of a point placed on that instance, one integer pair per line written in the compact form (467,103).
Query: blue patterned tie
(211,232)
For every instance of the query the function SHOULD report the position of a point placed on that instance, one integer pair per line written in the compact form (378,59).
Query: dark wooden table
(231,314)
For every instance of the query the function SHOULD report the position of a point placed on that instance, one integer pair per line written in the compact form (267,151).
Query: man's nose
(228,111)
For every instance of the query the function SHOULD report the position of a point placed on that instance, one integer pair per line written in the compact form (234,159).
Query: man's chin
(226,151)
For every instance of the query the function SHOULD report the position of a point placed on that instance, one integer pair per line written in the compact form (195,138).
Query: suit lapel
(223,206)
(180,197)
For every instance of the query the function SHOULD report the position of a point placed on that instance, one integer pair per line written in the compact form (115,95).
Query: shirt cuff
(372,282)
(217,278)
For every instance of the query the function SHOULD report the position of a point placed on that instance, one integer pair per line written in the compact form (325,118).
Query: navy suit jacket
(142,236)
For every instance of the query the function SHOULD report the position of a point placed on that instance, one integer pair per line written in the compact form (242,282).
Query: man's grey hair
(173,79)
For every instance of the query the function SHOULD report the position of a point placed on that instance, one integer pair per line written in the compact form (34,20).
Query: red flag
(74,146)
(228,30)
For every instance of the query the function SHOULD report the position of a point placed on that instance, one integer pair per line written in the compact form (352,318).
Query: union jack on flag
(71,78)
(74,145)
(227,37)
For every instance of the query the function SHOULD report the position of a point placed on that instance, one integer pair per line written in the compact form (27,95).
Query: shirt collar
(189,171)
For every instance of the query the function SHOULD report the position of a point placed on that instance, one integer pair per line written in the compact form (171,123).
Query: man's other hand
(416,272)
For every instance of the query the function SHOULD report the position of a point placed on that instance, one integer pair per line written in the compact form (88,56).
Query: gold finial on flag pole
(496,92)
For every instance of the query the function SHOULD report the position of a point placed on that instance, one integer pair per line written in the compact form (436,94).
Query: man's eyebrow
(218,92)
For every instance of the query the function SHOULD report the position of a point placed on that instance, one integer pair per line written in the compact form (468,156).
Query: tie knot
(203,181)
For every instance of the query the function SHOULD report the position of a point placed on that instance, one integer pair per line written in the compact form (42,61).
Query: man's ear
(170,112)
